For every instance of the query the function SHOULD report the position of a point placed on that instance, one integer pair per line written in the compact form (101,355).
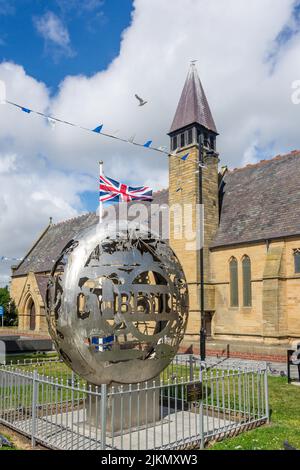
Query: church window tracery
(297,260)
(234,289)
(247,294)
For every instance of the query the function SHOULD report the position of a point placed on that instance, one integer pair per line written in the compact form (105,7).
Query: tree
(10,311)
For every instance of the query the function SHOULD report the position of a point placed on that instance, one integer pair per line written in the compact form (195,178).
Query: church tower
(194,132)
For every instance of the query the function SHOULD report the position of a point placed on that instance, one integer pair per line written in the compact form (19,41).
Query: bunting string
(98,130)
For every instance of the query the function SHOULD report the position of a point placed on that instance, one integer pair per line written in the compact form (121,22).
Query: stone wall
(274,316)
(184,190)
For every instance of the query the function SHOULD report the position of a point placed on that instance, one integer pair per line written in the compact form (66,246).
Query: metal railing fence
(187,406)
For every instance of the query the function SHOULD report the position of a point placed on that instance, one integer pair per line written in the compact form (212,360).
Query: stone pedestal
(123,407)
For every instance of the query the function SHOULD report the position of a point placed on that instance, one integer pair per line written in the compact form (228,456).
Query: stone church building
(251,242)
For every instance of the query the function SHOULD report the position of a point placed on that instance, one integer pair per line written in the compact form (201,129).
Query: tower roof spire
(193,107)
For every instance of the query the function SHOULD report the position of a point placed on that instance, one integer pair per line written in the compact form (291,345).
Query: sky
(84,61)
(52,39)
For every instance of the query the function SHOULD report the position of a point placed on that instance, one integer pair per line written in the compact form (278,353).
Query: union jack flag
(111,190)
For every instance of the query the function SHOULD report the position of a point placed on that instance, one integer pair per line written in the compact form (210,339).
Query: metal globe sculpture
(117,305)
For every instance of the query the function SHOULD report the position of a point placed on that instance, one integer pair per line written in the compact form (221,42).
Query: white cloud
(7,163)
(290,29)
(252,108)
(55,34)
(28,198)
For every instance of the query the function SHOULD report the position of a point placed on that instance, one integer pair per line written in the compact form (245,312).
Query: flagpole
(100,202)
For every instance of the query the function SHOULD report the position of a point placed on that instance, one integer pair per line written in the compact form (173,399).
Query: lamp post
(211,152)
(202,308)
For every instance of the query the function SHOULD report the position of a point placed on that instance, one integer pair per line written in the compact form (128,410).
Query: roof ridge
(62,222)
(266,161)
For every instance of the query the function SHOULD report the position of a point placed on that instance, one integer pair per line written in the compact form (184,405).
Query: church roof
(42,282)
(260,201)
(53,240)
(40,258)
(193,107)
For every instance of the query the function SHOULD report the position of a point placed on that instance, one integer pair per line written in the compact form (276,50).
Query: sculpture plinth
(127,407)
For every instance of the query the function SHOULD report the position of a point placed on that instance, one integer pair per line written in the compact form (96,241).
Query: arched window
(30,311)
(297,260)
(234,284)
(247,295)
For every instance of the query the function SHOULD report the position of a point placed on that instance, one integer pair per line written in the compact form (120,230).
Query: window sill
(240,308)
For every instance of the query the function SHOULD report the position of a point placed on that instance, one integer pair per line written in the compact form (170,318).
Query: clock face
(117,305)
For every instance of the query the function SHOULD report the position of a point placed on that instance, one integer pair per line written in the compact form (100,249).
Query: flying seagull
(142,102)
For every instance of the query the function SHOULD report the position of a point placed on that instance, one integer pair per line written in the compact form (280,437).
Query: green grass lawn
(47,393)
(14,358)
(284,404)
